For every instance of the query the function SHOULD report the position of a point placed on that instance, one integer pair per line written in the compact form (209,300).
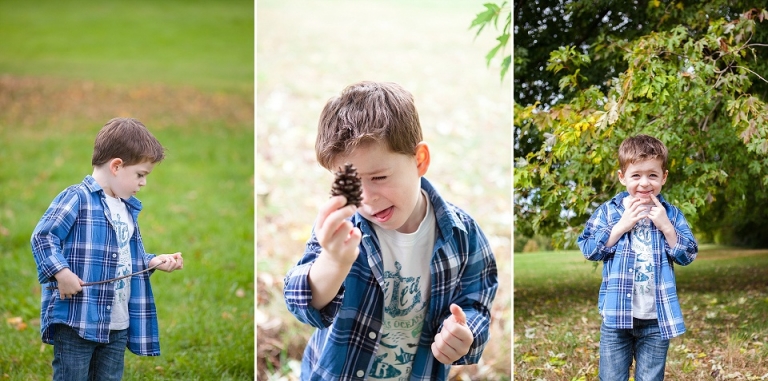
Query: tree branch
(747,69)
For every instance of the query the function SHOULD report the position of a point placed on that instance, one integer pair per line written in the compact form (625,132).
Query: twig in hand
(114,279)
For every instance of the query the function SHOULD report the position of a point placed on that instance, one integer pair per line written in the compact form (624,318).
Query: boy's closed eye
(378,178)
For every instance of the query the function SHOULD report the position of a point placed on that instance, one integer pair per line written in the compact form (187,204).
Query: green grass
(723,294)
(186,71)
(207,44)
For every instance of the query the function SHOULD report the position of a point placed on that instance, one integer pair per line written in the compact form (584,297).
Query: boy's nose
(367,194)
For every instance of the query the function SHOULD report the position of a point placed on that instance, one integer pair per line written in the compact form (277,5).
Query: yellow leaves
(656,3)
(582,126)
(17,323)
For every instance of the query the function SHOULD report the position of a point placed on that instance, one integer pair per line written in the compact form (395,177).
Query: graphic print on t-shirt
(124,258)
(404,308)
(644,301)
(405,292)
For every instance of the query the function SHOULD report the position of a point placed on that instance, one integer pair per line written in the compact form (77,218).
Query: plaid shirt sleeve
(298,295)
(684,251)
(477,287)
(51,231)
(596,233)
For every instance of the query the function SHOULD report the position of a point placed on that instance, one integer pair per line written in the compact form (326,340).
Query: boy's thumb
(458,314)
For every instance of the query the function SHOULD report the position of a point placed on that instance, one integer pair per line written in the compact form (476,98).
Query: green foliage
(691,85)
(490,16)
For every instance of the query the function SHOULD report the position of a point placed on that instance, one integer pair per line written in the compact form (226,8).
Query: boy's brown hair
(640,148)
(367,112)
(127,139)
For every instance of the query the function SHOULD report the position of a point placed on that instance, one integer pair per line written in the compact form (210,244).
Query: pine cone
(348,184)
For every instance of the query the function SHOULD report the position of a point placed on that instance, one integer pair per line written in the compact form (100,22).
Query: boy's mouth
(644,194)
(384,215)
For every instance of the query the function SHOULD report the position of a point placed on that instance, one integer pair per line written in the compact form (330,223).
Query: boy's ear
(114,164)
(422,158)
(621,177)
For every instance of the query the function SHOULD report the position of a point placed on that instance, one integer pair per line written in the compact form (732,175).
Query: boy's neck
(101,175)
(421,211)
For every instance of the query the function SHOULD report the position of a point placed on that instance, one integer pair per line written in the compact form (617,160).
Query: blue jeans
(643,343)
(77,359)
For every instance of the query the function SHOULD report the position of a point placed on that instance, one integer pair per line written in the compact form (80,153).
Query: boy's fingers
(655,200)
(336,219)
(354,236)
(333,204)
(458,314)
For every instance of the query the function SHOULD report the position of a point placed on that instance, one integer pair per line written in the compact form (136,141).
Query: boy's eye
(377,178)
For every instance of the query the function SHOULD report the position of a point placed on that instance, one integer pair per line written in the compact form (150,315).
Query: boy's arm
(316,283)
(51,230)
(478,289)
(684,250)
(297,291)
(597,232)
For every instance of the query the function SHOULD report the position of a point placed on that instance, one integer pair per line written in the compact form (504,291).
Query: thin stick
(114,279)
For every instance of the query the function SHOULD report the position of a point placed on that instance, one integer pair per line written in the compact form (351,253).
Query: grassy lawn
(185,69)
(308,51)
(207,44)
(723,294)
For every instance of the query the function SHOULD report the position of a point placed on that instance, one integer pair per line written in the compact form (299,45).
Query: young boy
(638,236)
(90,233)
(401,287)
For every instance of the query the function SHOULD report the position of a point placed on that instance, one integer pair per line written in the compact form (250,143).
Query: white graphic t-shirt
(407,278)
(123,225)
(644,293)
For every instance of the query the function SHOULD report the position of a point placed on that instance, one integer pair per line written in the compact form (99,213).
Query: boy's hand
(636,211)
(172,262)
(69,283)
(454,339)
(336,235)
(659,217)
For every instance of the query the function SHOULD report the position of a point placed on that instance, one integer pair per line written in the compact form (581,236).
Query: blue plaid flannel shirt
(349,328)
(615,298)
(75,233)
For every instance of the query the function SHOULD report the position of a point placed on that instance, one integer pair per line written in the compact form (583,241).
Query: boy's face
(127,180)
(644,178)
(391,185)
